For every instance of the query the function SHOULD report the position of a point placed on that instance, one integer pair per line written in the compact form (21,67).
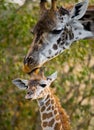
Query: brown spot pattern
(71,35)
(76,37)
(48,57)
(64,47)
(55,47)
(56,53)
(52,101)
(66,36)
(57,117)
(52,107)
(62,42)
(58,41)
(47,97)
(80,33)
(47,115)
(48,102)
(45,124)
(55,112)
(43,108)
(48,108)
(51,122)
(57,126)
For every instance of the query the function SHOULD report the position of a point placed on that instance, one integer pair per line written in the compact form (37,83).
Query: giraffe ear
(52,77)
(79,10)
(20,83)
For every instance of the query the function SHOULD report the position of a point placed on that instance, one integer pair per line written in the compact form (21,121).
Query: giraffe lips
(28,70)
(35,70)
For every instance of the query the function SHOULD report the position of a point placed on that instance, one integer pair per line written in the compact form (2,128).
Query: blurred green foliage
(75,83)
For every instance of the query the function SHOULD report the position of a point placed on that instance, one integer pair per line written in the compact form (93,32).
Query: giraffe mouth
(35,70)
(30,70)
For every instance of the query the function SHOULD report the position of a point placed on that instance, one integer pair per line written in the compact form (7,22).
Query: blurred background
(74,85)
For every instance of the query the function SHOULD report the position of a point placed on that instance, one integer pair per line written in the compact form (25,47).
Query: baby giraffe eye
(42,85)
(30,92)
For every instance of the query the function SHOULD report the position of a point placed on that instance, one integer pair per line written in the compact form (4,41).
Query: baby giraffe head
(56,29)
(36,87)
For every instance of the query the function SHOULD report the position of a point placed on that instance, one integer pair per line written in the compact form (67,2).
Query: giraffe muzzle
(29,71)
(30,65)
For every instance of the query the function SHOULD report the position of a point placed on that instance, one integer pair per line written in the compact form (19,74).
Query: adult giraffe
(56,30)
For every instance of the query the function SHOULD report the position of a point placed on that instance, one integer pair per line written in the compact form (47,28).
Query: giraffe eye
(56,31)
(29,93)
(42,85)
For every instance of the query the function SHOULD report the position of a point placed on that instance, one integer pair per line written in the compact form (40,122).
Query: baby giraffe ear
(79,10)
(52,77)
(20,83)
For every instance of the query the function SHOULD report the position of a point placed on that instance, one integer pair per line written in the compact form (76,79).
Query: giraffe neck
(53,117)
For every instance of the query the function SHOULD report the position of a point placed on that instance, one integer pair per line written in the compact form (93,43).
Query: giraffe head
(36,87)
(56,29)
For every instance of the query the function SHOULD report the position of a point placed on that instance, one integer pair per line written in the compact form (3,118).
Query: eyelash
(43,85)
(56,31)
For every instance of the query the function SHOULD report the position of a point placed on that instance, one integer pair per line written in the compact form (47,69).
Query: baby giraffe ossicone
(53,116)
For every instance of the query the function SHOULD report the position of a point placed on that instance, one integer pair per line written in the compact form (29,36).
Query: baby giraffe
(53,116)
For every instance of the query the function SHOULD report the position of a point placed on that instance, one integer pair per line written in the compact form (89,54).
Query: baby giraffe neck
(53,117)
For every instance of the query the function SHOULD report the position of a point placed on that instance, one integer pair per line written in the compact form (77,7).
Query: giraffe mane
(63,115)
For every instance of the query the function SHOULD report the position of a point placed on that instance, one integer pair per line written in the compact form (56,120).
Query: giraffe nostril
(28,60)
(31,59)
(29,93)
